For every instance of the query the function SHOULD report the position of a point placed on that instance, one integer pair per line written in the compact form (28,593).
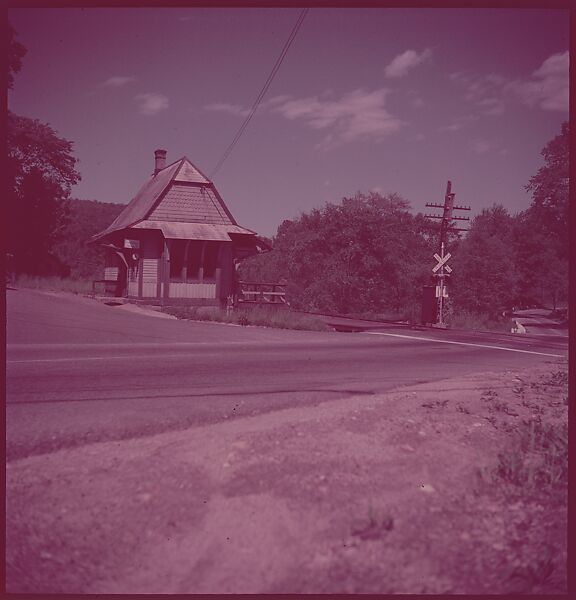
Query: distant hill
(87,217)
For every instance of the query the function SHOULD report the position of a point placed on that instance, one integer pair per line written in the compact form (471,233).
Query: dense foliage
(520,260)
(367,254)
(485,274)
(86,218)
(550,189)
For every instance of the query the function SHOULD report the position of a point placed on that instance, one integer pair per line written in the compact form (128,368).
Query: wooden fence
(262,294)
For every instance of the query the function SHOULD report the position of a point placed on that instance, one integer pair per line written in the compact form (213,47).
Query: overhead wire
(262,92)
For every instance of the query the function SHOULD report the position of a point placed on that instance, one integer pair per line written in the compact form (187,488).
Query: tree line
(370,254)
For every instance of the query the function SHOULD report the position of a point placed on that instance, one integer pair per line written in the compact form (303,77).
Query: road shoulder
(370,494)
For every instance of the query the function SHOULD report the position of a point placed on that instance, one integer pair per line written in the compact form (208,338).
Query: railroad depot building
(176,242)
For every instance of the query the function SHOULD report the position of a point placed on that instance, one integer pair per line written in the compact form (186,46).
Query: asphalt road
(80,372)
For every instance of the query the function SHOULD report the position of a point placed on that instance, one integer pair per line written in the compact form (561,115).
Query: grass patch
(261,316)
(464,319)
(53,283)
(535,461)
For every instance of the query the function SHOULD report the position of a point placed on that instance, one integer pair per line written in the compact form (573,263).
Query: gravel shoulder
(402,492)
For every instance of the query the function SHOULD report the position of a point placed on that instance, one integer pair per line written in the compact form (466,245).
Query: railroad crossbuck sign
(442,260)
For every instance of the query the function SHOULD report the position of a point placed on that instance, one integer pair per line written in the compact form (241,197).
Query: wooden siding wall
(149,277)
(143,280)
(133,289)
(111,273)
(192,290)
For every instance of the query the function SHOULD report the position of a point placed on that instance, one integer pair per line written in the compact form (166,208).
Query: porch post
(140,269)
(201,269)
(219,271)
(161,270)
(185,263)
(166,262)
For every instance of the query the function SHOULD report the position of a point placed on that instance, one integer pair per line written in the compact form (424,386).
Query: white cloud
(482,146)
(401,64)
(357,115)
(555,65)
(275,100)
(151,103)
(459,123)
(240,111)
(118,81)
(487,93)
(225,107)
(548,86)
(491,106)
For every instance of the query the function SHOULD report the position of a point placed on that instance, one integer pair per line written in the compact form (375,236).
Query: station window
(210,259)
(177,250)
(193,260)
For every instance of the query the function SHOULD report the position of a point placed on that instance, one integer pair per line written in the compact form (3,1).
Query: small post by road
(441,270)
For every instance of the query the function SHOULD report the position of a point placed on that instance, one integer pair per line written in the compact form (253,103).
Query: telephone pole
(441,270)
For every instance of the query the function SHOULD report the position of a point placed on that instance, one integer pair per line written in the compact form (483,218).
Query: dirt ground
(432,488)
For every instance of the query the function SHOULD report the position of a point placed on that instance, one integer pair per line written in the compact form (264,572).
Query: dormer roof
(177,193)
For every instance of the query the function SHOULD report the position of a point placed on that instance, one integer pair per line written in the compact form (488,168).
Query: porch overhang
(194,231)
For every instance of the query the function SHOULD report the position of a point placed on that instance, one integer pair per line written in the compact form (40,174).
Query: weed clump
(264,317)
(535,462)
(465,319)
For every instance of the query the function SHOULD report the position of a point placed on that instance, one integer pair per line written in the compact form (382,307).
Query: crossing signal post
(442,270)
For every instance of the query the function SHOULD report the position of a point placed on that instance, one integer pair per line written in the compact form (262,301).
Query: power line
(262,93)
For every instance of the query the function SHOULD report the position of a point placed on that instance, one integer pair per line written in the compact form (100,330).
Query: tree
(541,263)
(366,254)
(40,176)
(550,188)
(40,173)
(542,230)
(485,275)
(33,145)
(36,215)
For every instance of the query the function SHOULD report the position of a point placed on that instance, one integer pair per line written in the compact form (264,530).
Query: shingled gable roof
(181,173)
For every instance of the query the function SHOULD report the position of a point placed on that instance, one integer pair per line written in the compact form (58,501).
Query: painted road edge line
(92,358)
(416,337)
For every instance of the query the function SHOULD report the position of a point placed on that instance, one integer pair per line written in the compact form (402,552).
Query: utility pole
(441,270)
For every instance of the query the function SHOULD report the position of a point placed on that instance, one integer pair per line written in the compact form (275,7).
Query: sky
(366,99)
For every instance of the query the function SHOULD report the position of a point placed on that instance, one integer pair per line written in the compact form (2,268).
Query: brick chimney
(159,160)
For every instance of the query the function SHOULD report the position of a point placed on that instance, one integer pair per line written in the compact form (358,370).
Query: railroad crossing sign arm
(442,260)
